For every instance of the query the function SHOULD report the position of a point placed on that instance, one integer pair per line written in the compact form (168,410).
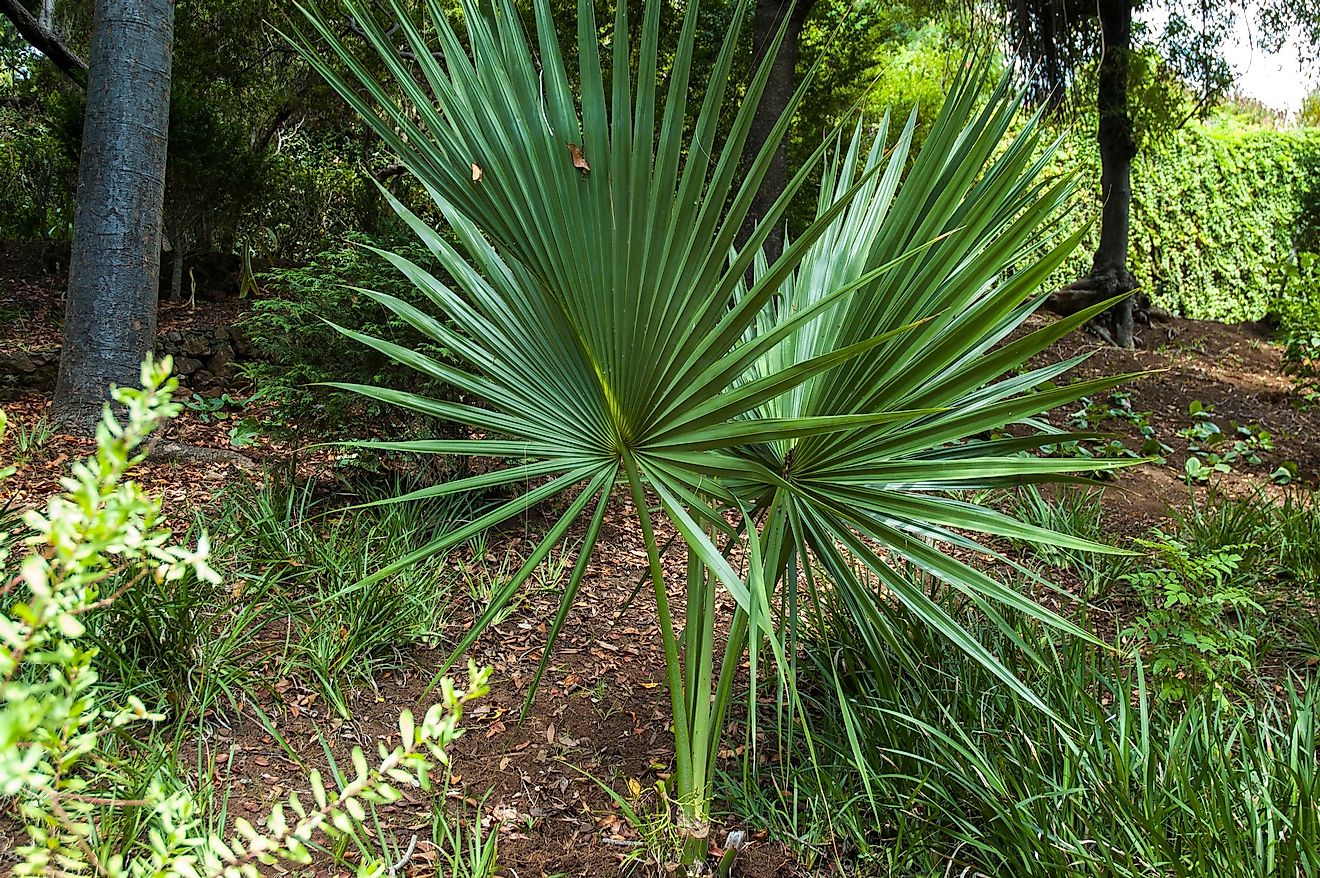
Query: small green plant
(217,408)
(465,849)
(88,545)
(244,433)
(1092,416)
(1211,449)
(30,440)
(1196,621)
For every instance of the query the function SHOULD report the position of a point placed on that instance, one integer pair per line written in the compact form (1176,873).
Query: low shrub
(86,807)
(1199,622)
(300,350)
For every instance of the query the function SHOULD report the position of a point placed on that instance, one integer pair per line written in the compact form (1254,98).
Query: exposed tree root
(180,453)
(1115,326)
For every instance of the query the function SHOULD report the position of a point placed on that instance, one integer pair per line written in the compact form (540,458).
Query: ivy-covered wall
(1215,208)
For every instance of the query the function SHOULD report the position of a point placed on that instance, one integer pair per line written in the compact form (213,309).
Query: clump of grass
(960,776)
(314,555)
(1284,536)
(289,557)
(1077,513)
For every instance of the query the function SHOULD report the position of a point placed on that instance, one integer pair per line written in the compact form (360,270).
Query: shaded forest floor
(601,709)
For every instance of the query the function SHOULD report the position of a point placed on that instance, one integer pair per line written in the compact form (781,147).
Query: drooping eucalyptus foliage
(797,422)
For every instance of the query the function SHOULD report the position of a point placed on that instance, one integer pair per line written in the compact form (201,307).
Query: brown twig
(45,41)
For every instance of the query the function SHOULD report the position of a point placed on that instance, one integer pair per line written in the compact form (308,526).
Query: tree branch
(45,41)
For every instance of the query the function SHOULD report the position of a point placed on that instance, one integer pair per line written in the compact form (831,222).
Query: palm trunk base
(695,835)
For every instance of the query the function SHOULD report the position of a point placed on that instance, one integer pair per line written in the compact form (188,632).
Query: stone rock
(222,361)
(19,361)
(186,366)
(23,371)
(242,346)
(195,346)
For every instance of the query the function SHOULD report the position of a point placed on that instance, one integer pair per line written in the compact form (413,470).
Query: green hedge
(1215,208)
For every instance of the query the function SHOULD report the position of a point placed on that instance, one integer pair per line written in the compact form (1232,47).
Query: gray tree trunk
(114,267)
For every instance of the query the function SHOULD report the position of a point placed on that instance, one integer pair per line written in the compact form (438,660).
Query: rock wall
(24,371)
(204,359)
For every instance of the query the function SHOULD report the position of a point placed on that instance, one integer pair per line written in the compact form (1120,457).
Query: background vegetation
(910,711)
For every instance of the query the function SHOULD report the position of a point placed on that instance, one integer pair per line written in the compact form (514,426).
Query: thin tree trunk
(1109,270)
(114,267)
(766,22)
(46,18)
(176,272)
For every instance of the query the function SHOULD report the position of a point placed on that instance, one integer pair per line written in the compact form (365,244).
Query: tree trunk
(1109,271)
(766,22)
(174,240)
(114,267)
(46,18)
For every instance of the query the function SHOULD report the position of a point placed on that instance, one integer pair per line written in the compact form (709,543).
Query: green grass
(964,778)
(1284,535)
(309,551)
(285,555)
(1076,512)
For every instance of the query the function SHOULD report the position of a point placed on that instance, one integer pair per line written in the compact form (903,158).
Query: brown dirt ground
(601,709)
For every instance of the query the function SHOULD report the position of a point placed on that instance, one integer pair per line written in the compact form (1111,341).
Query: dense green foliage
(299,350)
(1216,208)
(1189,752)
(961,778)
(36,179)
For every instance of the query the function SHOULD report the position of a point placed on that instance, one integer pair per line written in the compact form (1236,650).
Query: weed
(1211,449)
(1197,623)
(30,440)
(485,573)
(1092,416)
(218,408)
(604,702)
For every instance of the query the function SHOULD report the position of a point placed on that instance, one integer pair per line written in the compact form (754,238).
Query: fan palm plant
(790,418)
